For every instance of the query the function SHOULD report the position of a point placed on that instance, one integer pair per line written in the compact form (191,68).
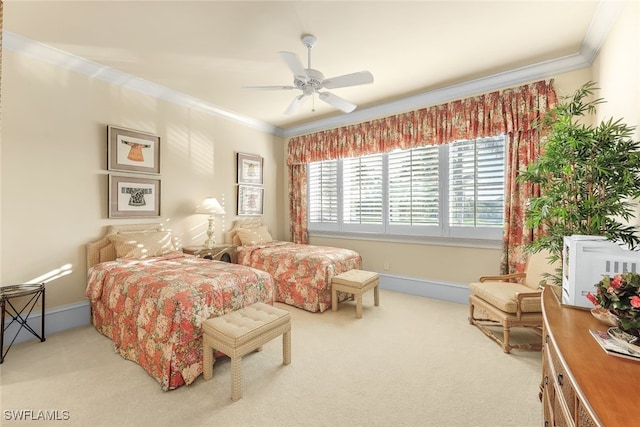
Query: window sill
(417,240)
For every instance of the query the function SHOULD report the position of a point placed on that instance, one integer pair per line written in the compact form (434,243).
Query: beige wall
(54,179)
(617,71)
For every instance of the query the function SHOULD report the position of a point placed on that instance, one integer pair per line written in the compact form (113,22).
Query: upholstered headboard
(103,250)
(231,236)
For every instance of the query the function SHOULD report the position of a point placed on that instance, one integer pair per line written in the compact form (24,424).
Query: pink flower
(635,301)
(593,299)
(616,282)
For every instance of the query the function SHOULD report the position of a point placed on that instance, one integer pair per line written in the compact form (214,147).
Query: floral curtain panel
(511,111)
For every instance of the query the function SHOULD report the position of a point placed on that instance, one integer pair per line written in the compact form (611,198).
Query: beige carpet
(411,361)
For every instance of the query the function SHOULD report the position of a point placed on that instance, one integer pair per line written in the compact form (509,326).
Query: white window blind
(323,192)
(476,183)
(414,187)
(362,190)
(452,190)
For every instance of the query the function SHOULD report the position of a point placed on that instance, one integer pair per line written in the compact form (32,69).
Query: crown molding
(603,20)
(607,12)
(42,52)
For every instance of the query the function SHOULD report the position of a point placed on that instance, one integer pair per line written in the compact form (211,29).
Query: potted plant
(588,176)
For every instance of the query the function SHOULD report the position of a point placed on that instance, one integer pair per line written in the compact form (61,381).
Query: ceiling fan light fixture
(311,81)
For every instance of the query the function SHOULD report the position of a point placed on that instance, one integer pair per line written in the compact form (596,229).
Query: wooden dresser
(581,384)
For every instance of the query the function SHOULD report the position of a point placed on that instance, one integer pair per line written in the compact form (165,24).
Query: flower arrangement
(621,296)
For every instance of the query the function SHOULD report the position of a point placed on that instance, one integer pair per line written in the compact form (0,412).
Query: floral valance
(490,114)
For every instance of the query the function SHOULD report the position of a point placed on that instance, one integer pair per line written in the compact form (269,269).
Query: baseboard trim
(70,316)
(55,320)
(447,291)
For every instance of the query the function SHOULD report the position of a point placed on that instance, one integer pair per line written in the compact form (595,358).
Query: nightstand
(226,253)
(21,313)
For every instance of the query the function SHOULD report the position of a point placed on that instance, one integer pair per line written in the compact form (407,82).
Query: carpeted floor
(412,361)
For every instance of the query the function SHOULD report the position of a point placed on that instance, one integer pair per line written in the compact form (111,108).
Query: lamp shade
(210,206)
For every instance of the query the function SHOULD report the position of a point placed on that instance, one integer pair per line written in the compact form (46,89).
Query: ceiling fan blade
(270,87)
(294,64)
(353,79)
(337,102)
(295,105)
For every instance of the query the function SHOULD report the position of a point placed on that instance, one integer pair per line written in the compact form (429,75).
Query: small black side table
(7,293)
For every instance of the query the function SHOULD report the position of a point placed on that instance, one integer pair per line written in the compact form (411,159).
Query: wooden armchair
(511,300)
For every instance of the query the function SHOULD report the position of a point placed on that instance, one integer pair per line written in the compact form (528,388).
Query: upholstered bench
(241,332)
(356,283)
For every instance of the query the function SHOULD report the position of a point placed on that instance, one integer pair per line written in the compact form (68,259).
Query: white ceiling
(208,50)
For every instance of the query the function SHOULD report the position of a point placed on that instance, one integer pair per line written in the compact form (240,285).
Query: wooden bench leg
(359,306)
(286,348)
(236,378)
(376,296)
(207,361)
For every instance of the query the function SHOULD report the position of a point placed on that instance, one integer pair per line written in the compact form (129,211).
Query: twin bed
(150,299)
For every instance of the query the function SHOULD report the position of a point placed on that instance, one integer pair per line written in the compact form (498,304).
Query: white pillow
(142,245)
(254,236)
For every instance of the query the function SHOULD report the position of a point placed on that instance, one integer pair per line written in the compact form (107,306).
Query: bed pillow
(142,245)
(254,236)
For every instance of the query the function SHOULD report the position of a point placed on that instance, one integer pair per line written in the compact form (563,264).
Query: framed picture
(133,197)
(132,151)
(249,169)
(250,200)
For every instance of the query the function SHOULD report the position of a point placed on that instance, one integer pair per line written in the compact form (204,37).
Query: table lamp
(211,207)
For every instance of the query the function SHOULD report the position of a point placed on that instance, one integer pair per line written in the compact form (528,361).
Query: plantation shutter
(362,183)
(323,192)
(476,182)
(414,187)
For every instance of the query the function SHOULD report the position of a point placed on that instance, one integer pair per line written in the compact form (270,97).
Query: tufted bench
(354,282)
(241,332)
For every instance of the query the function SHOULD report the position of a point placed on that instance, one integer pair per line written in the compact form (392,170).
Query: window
(323,193)
(476,184)
(453,190)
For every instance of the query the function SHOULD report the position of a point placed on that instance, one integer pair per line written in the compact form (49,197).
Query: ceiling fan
(311,81)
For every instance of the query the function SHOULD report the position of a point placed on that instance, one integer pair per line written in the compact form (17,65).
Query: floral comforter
(302,273)
(153,309)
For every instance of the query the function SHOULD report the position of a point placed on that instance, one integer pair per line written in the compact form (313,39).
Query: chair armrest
(503,277)
(522,295)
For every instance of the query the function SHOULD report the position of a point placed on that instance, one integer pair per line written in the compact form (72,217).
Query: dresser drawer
(561,380)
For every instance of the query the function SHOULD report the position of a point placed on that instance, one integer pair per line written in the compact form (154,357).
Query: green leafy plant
(588,177)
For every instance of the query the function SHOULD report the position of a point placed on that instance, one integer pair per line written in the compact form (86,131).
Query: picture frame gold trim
(130,150)
(249,169)
(134,197)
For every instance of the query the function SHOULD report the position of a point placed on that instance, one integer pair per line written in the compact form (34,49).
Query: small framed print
(250,200)
(131,197)
(132,151)
(249,168)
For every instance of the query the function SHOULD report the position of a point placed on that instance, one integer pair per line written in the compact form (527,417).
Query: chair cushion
(502,296)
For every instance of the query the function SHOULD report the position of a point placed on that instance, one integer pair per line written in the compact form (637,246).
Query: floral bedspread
(302,273)
(153,309)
